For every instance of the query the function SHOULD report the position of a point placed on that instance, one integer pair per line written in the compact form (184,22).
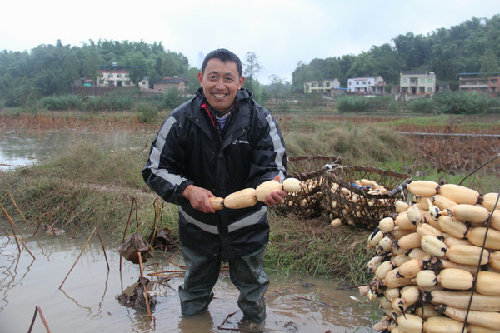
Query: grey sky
(280,32)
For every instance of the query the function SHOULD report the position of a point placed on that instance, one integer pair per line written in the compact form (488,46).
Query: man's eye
(212,77)
(228,79)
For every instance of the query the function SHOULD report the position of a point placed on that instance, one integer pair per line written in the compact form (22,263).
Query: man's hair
(224,56)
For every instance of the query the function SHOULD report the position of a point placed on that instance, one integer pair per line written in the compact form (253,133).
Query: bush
(60,103)
(394,107)
(421,105)
(171,99)
(463,102)
(353,104)
(146,113)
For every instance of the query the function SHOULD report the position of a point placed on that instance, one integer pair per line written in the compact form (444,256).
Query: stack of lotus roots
(437,263)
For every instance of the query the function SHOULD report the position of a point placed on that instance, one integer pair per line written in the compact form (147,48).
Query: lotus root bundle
(437,262)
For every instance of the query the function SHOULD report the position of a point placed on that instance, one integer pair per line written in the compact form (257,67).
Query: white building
(366,85)
(114,76)
(321,86)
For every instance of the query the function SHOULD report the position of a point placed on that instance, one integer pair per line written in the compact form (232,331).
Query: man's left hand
(275,197)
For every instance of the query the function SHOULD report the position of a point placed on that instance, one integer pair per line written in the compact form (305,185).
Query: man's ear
(242,79)
(200,77)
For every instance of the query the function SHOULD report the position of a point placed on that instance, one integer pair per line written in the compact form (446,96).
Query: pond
(87,300)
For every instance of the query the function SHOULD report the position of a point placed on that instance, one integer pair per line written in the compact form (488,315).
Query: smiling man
(219,142)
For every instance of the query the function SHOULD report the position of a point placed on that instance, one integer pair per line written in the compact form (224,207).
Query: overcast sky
(280,32)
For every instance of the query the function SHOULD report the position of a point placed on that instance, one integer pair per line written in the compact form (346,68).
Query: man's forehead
(216,65)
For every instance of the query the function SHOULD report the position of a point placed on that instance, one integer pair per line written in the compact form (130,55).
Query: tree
(251,67)
(489,62)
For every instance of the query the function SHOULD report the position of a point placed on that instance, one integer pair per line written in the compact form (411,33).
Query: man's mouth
(219,95)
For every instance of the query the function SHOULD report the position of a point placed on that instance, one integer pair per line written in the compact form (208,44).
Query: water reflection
(87,301)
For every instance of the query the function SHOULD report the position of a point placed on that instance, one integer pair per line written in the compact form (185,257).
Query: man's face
(220,83)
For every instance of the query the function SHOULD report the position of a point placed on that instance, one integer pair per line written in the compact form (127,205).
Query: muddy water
(24,149)
(87,300)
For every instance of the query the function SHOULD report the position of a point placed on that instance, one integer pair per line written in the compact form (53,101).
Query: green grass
(313,247)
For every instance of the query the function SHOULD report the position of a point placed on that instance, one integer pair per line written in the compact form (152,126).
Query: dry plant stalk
(9,219)
(15,205)
(133,200)
(103,249)
(144,286)
(38,310)
(74,264)
(14,226)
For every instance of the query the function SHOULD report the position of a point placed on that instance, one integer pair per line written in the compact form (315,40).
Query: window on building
(118,75)
(314,84)
(429,80)
(421,89)
(110,75)
(327,83)
(405,80)
(429,89)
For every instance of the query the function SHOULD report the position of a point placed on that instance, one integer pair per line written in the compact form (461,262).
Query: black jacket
(187,150)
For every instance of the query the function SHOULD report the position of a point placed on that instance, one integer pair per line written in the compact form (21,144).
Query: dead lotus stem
(40,222)
(225,320)
(158,210)
(103,249)
(3,196)
(9,219)
(17,208)
(38,310)
(81,252)
(170,261)
(125,231)
(13,226)
(144,286)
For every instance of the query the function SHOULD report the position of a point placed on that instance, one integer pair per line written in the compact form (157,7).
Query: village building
(170,82)
(366,85)
(417,83)
(114,76)
(326,87)
(480,82)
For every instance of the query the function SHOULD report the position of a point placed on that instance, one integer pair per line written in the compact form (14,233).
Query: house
(170,82)
(83,82)
(144,83)
(480,82)
(327,86)
(366,85)
(417,83)
(114,76)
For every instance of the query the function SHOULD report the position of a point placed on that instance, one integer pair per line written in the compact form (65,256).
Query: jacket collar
(238,121)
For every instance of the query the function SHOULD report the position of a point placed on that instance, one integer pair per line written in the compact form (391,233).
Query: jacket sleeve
(163,172)
(269,156)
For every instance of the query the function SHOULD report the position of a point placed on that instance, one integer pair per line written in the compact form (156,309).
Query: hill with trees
(49,70)
(472,46)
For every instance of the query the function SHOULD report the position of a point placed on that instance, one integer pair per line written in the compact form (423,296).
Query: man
(219,142)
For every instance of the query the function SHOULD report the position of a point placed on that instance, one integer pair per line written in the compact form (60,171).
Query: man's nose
(220,83)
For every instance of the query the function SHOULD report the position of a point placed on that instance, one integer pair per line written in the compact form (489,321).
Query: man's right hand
(198,197)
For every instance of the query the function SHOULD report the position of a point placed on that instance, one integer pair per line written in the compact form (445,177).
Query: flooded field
(87,300)
(26,148)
